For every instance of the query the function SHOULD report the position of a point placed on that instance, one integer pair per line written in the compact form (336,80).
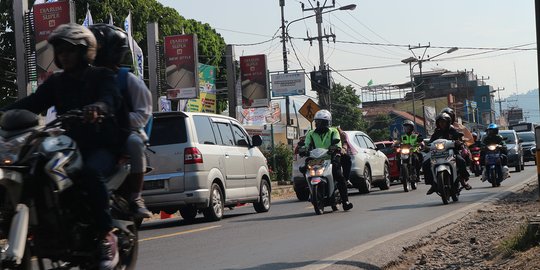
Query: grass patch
(527,236)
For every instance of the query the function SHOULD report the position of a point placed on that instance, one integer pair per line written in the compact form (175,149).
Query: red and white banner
(47,17)
(181,65)
(254,79)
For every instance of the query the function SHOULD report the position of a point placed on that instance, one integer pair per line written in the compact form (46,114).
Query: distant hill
(528,102)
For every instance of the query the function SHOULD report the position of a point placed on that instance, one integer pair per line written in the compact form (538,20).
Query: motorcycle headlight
(492,147)
(405,151)
(315,170)
(439,146)
(9,149)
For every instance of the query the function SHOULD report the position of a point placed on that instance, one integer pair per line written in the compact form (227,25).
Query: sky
(472,26)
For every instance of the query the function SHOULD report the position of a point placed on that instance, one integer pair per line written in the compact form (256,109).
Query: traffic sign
(291,132)
(309,109)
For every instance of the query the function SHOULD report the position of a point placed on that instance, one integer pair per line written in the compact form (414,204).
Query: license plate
(315,162)
(439,154)
(154,184)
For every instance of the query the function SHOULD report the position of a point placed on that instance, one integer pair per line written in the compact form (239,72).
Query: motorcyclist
(112,51)
(467,135)
(94,90)
(322,137)
(444,130)
(415,140)
(493,137)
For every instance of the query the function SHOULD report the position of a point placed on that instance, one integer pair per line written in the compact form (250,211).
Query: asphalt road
(291,236)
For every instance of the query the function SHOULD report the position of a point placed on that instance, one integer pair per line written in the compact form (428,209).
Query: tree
(345,108)
(378,128)
(211,45)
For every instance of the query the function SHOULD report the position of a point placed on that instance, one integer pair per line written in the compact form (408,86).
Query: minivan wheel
(214,212)
(365,184)
(188,213)
(263,205)
(385,185)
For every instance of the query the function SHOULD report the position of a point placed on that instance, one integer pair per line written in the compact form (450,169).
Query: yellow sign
(309,109)
(206,103)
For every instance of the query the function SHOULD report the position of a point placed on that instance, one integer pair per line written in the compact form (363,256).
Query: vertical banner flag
(47,17)
(254,79)
(181,66)
(429,116)
(110,19)
(88,19)
(136,52)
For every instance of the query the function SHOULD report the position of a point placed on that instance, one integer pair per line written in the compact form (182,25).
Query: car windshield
(526,136)
(511,139)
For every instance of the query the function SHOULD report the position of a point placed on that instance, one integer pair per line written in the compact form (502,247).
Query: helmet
(322,118)
(451,113)
(443,117)
(77,35)
(112,45)
(493,126)
(474,134)
(493,129)
(323,115)
(408,122)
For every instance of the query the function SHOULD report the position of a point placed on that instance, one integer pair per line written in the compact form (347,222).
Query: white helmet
(323,115)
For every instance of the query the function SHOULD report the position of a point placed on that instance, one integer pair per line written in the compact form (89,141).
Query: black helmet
(493,129)
(451,113)
(112,42)
(443,117)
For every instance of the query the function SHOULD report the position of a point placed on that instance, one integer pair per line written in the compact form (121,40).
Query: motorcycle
(493,159)
(444,168)
(43,214)
(323,189)
(476,167)
(407,172)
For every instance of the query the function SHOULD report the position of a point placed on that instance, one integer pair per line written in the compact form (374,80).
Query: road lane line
(179,233)
(329,261)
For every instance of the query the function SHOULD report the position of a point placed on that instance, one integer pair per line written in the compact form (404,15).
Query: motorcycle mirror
(335,141)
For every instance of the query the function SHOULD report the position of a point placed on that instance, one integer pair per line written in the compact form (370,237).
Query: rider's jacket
(412,139)
(322,140)
(450,134)
(495,139)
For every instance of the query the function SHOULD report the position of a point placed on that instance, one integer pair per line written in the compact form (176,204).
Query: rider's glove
(333,148)
(303,152)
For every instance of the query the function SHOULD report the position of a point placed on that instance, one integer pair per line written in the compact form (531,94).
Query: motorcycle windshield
(319,153)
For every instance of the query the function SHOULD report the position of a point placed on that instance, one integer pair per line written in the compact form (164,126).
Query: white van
(203,163)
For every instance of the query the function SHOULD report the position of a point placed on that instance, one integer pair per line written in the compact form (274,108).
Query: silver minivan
(203,163)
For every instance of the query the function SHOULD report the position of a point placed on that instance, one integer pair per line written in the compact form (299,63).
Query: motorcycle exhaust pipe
(18,233)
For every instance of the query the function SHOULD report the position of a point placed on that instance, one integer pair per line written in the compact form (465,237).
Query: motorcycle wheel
(493,178)
(443,188)
(318,199)
(413,184)
(405,178)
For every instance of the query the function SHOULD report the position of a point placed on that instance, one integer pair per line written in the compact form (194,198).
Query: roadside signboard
(309,109)
(181,66)
(291,132)
(47,17)
(254,80)
(288,84)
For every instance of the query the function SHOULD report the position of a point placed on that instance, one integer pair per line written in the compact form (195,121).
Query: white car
(370,167)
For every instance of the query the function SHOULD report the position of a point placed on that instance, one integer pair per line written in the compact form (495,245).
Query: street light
(324,96)
(419,62)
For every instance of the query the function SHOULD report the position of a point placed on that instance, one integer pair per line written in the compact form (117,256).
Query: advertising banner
(181,71)
(254,80)
(261,116)
(288,84)
(47,17)
(207,87)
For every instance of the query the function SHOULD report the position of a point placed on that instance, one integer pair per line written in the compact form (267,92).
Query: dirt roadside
(480,240)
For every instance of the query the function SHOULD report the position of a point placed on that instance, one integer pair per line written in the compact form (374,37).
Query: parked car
(204,163)
(370,167)
(529,145)
(388,148)
(515,150)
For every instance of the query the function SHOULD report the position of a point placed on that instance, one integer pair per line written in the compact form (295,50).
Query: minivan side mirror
(257,140)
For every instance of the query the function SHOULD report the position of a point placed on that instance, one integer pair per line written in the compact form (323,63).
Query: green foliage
(211,45)
(526,237)
(345,108)
(282,169)
(378,129)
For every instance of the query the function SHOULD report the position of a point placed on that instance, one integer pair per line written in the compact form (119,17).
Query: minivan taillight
(192,155)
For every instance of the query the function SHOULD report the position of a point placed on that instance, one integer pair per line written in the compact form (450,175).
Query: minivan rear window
(168,130)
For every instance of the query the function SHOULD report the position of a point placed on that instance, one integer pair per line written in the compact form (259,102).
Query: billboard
(47,17)
(261,116)
(254,81)
(207,88)
(288,84)
(181,63)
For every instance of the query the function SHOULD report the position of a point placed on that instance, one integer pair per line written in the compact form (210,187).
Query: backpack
(122,84)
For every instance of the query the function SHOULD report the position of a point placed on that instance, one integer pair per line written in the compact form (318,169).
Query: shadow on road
(294,265)
(291,216)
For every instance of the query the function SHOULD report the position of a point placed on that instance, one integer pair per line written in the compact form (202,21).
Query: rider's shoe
(139,208)
(347,206)
(464,183)
(431,190)
(109,251)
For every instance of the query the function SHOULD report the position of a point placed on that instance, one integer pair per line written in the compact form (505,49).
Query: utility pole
(324,92)
(500,102)
(285,67)
(420,61)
